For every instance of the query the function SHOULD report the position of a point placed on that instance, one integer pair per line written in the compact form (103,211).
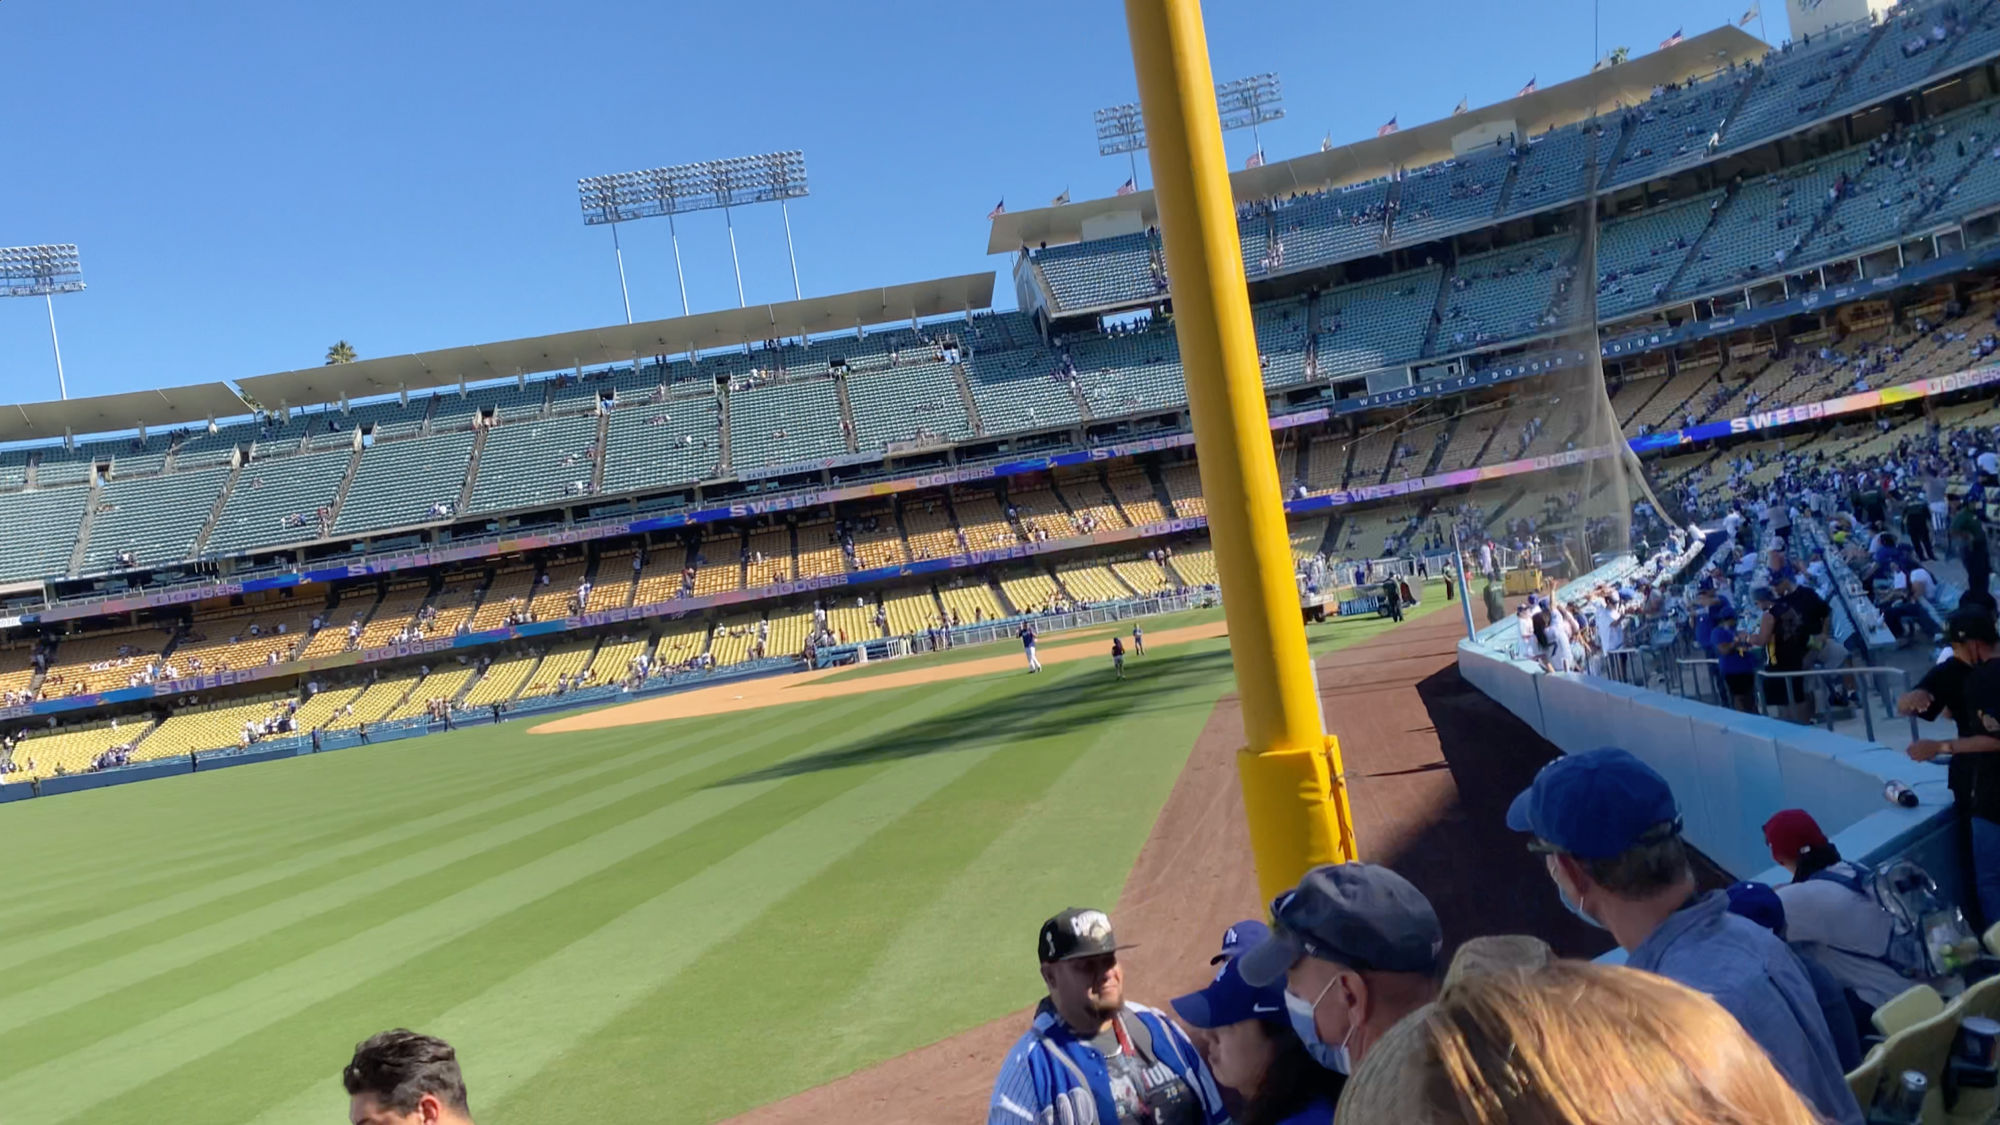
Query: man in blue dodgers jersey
(1092,1058)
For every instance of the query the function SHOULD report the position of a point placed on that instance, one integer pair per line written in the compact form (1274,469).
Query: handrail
(1861,676)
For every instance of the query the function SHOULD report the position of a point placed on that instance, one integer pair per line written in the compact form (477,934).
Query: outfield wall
(1730,770)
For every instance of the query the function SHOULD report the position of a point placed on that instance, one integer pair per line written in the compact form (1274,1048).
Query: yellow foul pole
(1293,791)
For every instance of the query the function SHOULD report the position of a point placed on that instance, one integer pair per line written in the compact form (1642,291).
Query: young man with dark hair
(402,1078)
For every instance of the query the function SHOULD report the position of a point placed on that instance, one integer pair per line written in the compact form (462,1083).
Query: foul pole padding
(1293,790)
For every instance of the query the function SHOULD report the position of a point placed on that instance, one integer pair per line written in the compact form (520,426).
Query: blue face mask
(1570,904)
(1300,1013)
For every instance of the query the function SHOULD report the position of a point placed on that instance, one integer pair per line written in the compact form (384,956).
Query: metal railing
(1862,679)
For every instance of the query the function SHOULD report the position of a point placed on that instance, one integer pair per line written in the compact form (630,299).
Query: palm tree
(340,352)
(1620,54)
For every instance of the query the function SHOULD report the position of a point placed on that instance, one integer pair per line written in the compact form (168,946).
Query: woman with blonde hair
(1572,1043)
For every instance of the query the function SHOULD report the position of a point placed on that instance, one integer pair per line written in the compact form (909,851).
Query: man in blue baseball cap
(1356,947)
(1609,831)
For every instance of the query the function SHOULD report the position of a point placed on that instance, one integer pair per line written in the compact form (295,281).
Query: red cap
(1791,834)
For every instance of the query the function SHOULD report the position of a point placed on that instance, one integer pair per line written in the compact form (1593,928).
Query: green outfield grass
(672,922)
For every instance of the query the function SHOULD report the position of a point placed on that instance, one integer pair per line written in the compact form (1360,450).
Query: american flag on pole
(1256,160)
(1526,90)
(1670,40)
(1459,108)
(1060,200)
(999,209)
(1387,128)
(1752,14)
(1128,187)
(1326,142)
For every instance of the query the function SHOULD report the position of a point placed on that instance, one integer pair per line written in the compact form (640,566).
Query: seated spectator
(1090,1056)
(1357,948)
(1847,1019)
(1253,1050)
(1609,831)
(1572,1042)
(1831,916)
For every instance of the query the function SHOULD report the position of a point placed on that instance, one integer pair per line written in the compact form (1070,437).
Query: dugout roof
(621,343)
(1629,83)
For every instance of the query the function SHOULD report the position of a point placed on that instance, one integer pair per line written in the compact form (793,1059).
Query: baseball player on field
(1027,635)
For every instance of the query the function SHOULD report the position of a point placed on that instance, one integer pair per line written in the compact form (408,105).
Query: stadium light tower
(1244,103)
(43,271)
(773,177)
(1249,102)
(1121,128)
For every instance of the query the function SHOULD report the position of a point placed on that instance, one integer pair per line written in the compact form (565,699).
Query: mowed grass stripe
(789,976)
(327,827)
(226,1006)
(292,878)
(280,795)
(268,862)
(684,891)
(316,915)
(1083,861)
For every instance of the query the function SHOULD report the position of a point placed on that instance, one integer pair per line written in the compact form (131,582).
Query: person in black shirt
(1805,622)
(1967,686)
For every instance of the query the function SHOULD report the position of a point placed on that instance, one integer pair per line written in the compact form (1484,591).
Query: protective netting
(1578,493)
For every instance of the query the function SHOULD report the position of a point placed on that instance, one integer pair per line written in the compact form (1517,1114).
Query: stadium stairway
(597,462)
(1848,71)
(215,511)
(724,457)
(1694,249)
(77,553)
(472,468)
(847,427)
(965,396)
(346,481)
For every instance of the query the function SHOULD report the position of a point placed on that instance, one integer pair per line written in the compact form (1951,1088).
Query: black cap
(1970,625)
(1358,914)
(1076,932)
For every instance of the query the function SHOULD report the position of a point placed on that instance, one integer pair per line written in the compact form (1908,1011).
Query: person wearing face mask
(1609,832)
(1093,1058)
(1254,1053)
(1356,947)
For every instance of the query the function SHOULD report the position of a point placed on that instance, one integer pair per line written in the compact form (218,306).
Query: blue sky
(249,182)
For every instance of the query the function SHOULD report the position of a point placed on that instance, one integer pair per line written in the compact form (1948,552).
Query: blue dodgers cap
(1244,935)
(1759,903)
(1231,999)
(1358,914)
(1596,805)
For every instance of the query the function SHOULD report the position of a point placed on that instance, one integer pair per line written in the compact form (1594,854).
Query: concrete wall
(1731,770)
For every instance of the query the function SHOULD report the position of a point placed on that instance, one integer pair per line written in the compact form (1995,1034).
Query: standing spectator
(402,1078)
(1609,831)
(1974,777)
(1357,947)
(1968,537)
(1092,1058)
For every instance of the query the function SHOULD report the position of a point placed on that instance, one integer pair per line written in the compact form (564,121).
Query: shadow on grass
(1071,703)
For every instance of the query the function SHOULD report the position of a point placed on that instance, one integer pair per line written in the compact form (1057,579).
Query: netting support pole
(1294,793)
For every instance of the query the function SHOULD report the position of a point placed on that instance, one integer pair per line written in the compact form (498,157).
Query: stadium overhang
(1627,84)
(621,343)
(105,414)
